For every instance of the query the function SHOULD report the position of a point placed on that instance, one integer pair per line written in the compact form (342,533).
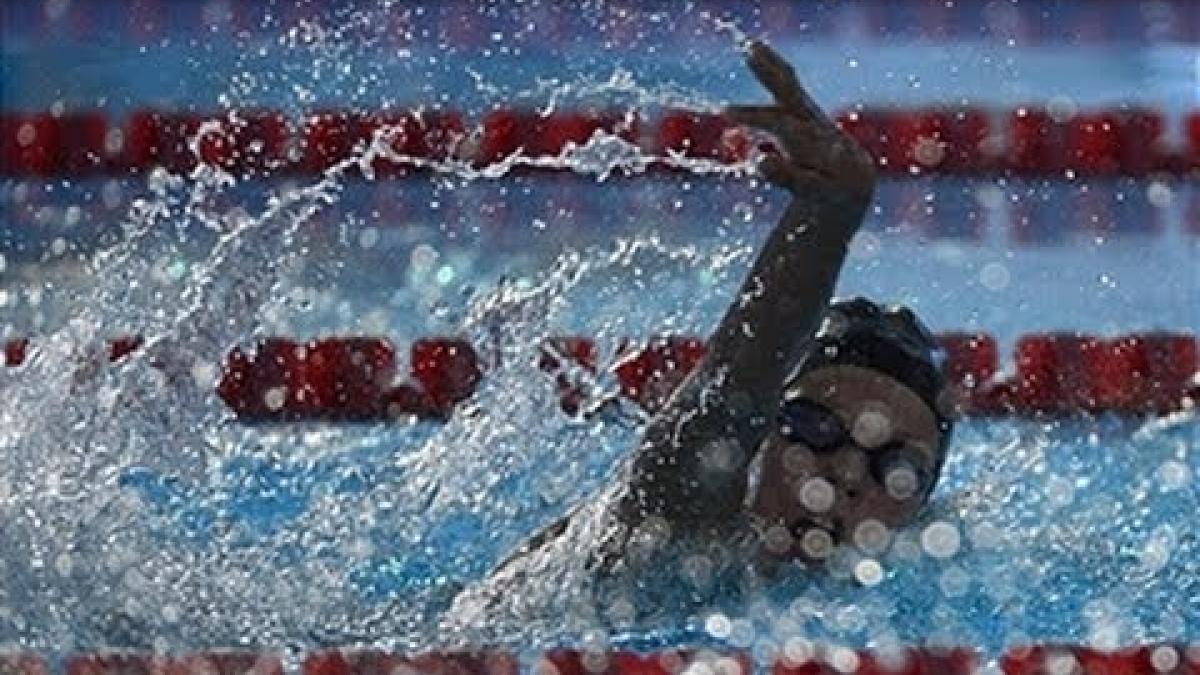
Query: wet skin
(878,478)
(688,477)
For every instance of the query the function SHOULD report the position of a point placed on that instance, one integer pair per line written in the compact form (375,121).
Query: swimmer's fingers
(777,75)
(798,138)
(777,169)
(804,146)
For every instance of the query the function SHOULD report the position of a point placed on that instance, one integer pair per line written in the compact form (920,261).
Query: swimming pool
(140,516)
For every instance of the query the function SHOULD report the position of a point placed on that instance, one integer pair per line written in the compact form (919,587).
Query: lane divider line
(1031,140)
(796,657)
(357,378)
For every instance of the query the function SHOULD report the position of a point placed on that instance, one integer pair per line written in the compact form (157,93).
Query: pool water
(1074,529)
(136,513)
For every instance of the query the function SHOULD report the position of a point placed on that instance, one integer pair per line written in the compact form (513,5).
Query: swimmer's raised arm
(690,470)
(789,286)
(693,462)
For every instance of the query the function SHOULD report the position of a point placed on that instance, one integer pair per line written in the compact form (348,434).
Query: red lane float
(869,128)
(328,138)
(1047,659)
(972,359)
(669,662)
(1163,659)
(15,351)
(1172,367)
(447,370)
(254,143)
(369,662)
(504,132)
(338,378)
(650,374)
(161,138)
(264,143)
(23,664)
(1035,140)
(30,145)
(88,146)
(1141,144)
(1097,143)
(208,663)
(431,136)
(355,378)
(702,136)
(908,661)
(1192,124)
(910,142)
(1066,372)
(1093,145)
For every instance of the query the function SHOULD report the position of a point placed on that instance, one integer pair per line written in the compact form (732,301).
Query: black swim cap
(893,341)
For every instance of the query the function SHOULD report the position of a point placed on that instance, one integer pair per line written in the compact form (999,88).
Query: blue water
(139,516)
(1095,541)
(1075,529)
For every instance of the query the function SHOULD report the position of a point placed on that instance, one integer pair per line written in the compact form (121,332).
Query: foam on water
(135,514)
(89,564)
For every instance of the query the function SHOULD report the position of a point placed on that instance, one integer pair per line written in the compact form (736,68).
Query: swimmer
(809,423)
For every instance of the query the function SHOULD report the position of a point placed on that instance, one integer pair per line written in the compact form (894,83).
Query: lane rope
(1031,140)
(796,657)
(358,379)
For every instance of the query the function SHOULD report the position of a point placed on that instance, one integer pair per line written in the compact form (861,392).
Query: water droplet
(777,539)
(817,543)
(994,276)
(817,495)
(368,238)
(1159,194)
(274,398)
(718,625)
(1164,658)
(1174,475)
(901,481)
(872,536)
(873,426)
(940,540)
(868,572)
(843,659)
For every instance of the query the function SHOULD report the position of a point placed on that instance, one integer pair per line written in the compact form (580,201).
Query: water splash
(135,515)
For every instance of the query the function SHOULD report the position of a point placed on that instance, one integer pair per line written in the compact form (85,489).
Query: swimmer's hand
(817,157)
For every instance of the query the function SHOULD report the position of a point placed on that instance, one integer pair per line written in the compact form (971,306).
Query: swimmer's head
(860,437)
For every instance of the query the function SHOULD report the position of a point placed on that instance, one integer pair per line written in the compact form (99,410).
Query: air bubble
(817,543)
(1174,475)
(817,495)
(741,633)
(798,651)
(940,540)
(868,572)
(1159,194)
(872,536)
(368,238)
(954,582)
(1164,658)
(872,427)
(994,276)
(843,659)
(718,625)
(1060,492)
(777,539)
(901,482)
(274,398)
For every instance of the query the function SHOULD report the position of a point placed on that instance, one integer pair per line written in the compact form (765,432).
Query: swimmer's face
(852,458)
